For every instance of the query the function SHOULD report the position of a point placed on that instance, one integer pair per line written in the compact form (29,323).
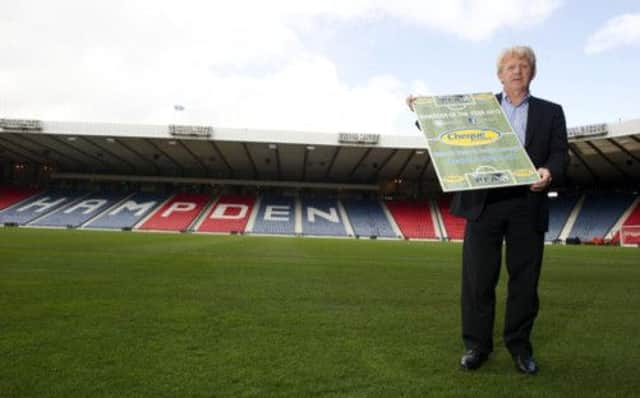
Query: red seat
(229,215)
(413,218)
(632,220)
(178,213)
(10,195)
(454,225)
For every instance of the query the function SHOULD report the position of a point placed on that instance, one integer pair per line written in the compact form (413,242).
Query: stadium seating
(633,220)
(600,211)
(79,211)
(276,215)
(10,195)
(229,215)
(559,210)
(128,212)
(321,217)
(453,225)
(413,217)
(367,218)
(37,206)
(178,213)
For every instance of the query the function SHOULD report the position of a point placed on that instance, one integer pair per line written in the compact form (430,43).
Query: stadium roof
(600,154)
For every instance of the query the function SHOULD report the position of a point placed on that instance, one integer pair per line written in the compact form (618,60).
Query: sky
(330,65)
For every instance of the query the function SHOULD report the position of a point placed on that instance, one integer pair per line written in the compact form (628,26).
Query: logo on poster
(469,137)
(495,178)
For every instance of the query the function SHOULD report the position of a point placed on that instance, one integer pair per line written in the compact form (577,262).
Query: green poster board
(471,143)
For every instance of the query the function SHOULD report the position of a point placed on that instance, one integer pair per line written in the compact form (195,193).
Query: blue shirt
(517,115)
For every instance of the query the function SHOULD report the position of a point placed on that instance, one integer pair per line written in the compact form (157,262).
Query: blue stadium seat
(80,211)
(129,212)
(38,206)
(600,211)
(276,215)
(321,217)
(559,211)
(368,218)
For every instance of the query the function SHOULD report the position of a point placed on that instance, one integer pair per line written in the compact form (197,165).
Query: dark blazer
(546,144)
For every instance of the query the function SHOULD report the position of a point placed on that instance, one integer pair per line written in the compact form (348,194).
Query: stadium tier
(321,217)
(559,211)
(367,218)
(629,233)
(278,182)
(634,218)
(453,226)
(10,195)
(599,213)
(413,218)
(129,212)
(230,214)
(178,213)
(81,209)
(37,206)
(276,215)
(292,215)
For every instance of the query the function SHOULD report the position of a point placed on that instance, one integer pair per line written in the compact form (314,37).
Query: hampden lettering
(132,206)
(277,213)
(89,206)
(178,207)
(43,204)
(229,211)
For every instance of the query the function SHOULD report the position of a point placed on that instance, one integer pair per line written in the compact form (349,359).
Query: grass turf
(87,313)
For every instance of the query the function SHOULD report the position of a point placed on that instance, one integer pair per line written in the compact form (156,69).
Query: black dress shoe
(525,364)
(473,359)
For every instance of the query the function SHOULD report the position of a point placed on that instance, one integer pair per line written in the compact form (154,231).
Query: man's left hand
(544,182)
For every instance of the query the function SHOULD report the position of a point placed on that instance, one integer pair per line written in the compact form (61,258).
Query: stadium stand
(453,226)
(302,173)
(413,217)
(321,217)
(37,206)
(276,215)
(632,226)
(10,195)
(599,213)
(129,212)
(230,214)
(79,211)
(178,213)
(559,210)
(368,218)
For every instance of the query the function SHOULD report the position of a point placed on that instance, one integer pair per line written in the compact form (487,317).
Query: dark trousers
(505,219)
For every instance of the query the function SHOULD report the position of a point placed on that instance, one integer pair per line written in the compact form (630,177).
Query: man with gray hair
(518,216)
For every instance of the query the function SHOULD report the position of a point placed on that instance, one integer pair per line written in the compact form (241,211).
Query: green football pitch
(93,314)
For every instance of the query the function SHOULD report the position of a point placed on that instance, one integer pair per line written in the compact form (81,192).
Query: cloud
(620,31)
(473,20)
(236,63)
(467,19)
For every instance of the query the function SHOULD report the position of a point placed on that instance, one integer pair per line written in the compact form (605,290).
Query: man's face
(516,73)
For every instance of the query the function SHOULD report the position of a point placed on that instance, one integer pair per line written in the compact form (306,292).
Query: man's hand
(545,180)
(410,100)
